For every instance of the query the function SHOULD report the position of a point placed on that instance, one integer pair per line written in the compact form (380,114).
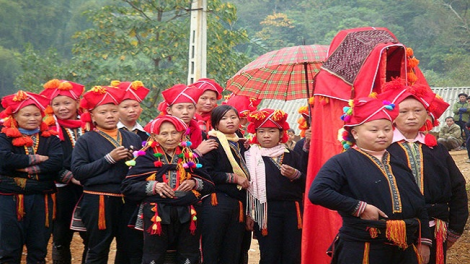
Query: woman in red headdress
(31,159)
(63,117)
(168,181)
(383,212)
(434,170)
(276,188)
(180,100)
(211,92)
(98,162)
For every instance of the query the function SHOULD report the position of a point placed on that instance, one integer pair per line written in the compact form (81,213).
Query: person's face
(184,111)
(129,111)
(28,117)
(169,137)
(106,116)
(449,121)
(229,123)
(268,137)
(375,135)
(291,135)
(207,101)
(411,117)
(462,98)
(65,108)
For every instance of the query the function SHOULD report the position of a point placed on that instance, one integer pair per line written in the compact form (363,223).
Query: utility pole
(198,41)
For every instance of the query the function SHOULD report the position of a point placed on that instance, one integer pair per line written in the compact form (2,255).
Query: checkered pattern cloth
(279,74)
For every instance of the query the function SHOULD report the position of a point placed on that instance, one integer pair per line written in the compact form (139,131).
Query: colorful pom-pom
(144,143)
(141,153)
(158,164)
(183,143)
(188,143)
(130,163)
(157,155)
(194,218)
(186,166)
(198,165)
(345,109)
(347,118)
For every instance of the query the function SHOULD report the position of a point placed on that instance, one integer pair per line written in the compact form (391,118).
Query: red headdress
(206,84)
(57,87)
(244,105)
(268,118)
(179,93)
(133,90)
(12,104)
(153,127)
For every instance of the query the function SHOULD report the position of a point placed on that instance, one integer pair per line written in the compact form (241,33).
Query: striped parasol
(282,74)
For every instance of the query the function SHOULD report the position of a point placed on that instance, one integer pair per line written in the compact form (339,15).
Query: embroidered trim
(414,156)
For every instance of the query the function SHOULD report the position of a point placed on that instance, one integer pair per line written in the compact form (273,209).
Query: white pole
(198,41)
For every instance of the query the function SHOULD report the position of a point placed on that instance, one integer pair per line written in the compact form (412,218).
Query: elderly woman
(64,98)
(168,182)
(276,188)
(434,170)
(31,159)
(211,92)
(383,212)
(98,162)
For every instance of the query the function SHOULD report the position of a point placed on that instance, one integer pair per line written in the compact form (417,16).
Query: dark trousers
(352,252)
(30,231)
(117,213)
(222,233)
(66,199)
(283,242)
(175,235)
(462,127)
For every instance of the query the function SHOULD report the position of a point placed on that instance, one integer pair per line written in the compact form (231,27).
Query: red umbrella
(281,74)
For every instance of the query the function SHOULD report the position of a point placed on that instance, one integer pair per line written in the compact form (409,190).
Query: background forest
(94,42)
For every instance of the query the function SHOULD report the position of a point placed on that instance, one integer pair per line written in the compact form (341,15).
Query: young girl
(211,92)
(276,188)
(31,159)
(383,212)
(98,162)
(223,223)
(168,182)
(64,98)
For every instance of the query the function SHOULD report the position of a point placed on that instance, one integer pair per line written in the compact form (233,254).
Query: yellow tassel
(299,215)
(46,208)
(396,233)
(241,215)
(214,199)
(365,258)
(54,206)
(20,206)
(418,256)
(101,214)
(151,177)
(440,233)
(373,232)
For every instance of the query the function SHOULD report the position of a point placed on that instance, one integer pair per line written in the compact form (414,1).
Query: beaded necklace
(116,142)
(73,134)
(34,148)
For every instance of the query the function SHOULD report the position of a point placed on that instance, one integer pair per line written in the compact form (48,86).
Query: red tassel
(430,140)
(192,224)
(19,206)
(46,209)
(54,206)
(214,199)
(12,132)
(241,216)
(22,141)
(156,227)
(299,215)
(264,231)
(101,214)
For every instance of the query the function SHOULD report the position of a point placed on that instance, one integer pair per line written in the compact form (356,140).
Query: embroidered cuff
(32,169)
(109,159)
(150,188)
(360,207)
(34,159)
(452,236)
(296,175)
(199,184)
(66,176)
(426,241)
(306,146)
(230,178)
(198,153)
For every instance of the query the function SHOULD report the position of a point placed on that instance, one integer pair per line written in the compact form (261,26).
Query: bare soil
(458,254)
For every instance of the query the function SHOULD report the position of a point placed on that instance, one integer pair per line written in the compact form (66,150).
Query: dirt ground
(458,254)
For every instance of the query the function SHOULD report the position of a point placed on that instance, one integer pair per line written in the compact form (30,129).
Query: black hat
(460,94)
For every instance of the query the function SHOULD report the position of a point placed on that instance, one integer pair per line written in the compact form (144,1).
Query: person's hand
(42,158)
(242,181)
(74,181)
(424,252)
(163,190)
(187,185)
(308,134)
(372,213)
(120,153)
(207,145)
(462,110)
(287,171)
(249,223)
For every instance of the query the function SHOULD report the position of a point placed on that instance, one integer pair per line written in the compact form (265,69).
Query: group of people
(196,181)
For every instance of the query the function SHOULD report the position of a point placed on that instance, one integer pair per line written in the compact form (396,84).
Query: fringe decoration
(373,232)
(258,212)
(19,206)
(241,215)
(54,206)
(21,182)
(365,258)
(214,199)
(156,227)
(396,233)
(440,233)
(101,214)
(418,256)
(46,209)
(299,215)
(193,224)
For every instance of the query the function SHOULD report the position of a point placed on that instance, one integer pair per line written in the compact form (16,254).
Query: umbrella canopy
(279,74)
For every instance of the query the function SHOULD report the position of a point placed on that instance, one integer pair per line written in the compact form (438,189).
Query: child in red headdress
(276,188)
(98,162)
(168,181)
(63,116)
(434,170)
(129,108)
(211,92)
(383,212)
(31,159)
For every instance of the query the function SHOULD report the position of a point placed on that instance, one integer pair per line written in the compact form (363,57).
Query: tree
(9,68)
